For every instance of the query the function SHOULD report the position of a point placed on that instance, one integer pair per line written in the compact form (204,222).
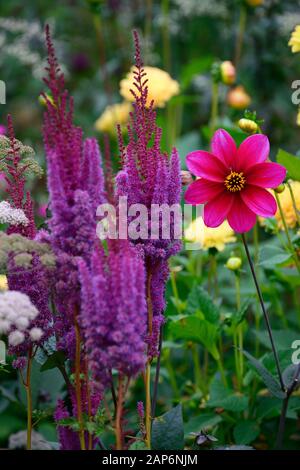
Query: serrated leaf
(200,300)
(167,430)
(271,383)
(290,162)
(192,328)
(245,432)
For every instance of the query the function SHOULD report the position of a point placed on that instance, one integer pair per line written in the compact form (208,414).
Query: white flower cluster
(16,314)
(9,215)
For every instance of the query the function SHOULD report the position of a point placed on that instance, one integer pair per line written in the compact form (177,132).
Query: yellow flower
(294,42)
(207,237)
(112,115)
(287,205)
(298,118)
(238,98)
(161,87)
(3,282)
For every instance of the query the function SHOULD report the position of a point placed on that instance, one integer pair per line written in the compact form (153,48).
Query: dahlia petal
(259,200)
(240,218)
(205,164)
(266,175)
(255,149)
(216,210)
(223,146)
(201,191)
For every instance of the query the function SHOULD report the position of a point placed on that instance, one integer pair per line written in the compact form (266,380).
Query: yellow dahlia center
(235,181)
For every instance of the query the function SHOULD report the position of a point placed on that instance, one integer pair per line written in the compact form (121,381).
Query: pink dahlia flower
(232,181)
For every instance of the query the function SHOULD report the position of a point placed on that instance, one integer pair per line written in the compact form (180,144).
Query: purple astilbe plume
(76,188)
(114,311)
(34,281)
(149,177)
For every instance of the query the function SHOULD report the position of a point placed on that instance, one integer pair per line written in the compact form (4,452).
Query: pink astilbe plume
(232,181)
(76,188)
(149,176)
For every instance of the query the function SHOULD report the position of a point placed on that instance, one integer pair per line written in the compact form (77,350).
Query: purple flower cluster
(149,177)
(114,311)
(76,188)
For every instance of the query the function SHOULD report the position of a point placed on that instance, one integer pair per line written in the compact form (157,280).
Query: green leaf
(167,430)
(271,383)
(138,445)
(196,66)
(245,432)
(272,256)
(200,300)
(282,338)
(238,317)
(57,359)
(291,163)
(192,328)
(204,421)
(224,397)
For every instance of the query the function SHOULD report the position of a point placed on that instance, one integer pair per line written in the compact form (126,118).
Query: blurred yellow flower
(287,205)
(238,98)
(207,237)
(112,115)
(161,87)
(298,118)
(294,42)
(3,282)
(255,3)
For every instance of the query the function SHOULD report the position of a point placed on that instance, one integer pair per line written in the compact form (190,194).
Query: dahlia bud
(186,178)
(247,125)
(237,98)
(254,3)
(280,188)
(228,74)
(234,263)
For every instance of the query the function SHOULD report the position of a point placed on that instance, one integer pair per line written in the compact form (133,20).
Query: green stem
(197,369)
(240,339)
(214,107)
(166,35)
(256,261)
(294,202)
(290,244)
(265,314)
(240,35)
(29,399)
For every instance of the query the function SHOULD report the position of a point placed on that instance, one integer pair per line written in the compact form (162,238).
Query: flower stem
(239,333)
(148,406)
(285,405)
(214,107)
(157,372)
(119,433)
(78,385)
(240,35)
(265,314)
(29,399)
(89,403)
(294,202)
(290,244)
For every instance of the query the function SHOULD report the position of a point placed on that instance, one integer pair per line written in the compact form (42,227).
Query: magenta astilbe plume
(76,188)
(149,177)
(114,311)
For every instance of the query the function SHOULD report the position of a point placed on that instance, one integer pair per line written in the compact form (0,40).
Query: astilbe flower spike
(114,311)
(76,188)
(232,181)
(149,176)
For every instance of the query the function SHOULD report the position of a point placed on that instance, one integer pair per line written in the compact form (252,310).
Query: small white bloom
(36,334)
(22,323)
(16,337)
(12,216)
(4,326)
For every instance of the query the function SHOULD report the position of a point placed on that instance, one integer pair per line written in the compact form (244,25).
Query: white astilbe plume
(9,215)
(16,314)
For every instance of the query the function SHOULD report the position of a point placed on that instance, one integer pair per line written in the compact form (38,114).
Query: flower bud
(254,3)
(186,178)
(280,188)
(228,74)
(234,263)
(247,125)
(237,98)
